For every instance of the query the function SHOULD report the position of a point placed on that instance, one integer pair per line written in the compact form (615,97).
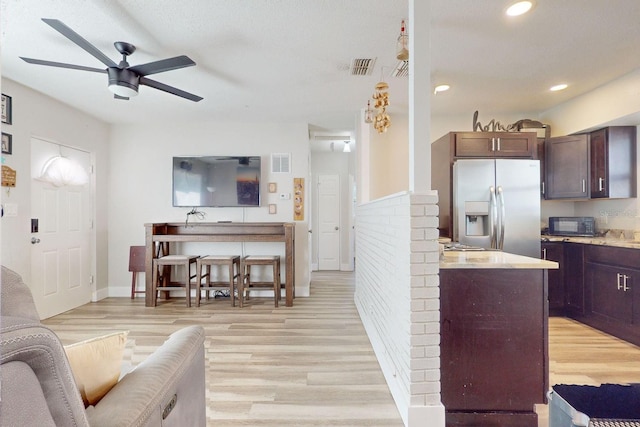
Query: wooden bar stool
(166,262)
(231,261)
(136,265)
(246,284)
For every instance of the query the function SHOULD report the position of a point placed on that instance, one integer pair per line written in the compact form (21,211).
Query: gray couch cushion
(15,297)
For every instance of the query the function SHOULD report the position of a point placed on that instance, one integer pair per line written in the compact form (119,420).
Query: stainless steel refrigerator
(496,204)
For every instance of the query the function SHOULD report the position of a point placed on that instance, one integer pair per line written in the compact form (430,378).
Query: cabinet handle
(498,144)
(584,186)
(619,276)
(543,187)
(493,144)
(600,184)
(544,253)
(624,283)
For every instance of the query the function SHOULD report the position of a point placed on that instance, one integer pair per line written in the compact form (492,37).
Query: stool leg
(276,285)
(133,284)
(198,282)
(187,283)
(154,284)
(233,303)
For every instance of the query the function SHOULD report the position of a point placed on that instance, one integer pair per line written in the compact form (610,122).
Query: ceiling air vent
(280,163)
(362,66)
(401,69)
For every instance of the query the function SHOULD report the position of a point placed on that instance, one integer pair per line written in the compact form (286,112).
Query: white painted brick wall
(397,295)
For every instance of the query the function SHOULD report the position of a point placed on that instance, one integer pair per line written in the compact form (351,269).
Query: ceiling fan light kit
(123,80)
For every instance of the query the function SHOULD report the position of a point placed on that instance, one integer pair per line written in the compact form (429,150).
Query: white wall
(36,115)
(389,159)
(140,186)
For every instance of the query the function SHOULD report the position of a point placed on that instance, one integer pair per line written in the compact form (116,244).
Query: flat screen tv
(216,181)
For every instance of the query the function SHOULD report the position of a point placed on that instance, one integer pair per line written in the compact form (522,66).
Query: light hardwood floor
(311,364)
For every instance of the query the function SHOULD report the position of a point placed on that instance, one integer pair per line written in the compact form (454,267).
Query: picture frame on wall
(7,143)
(6,110)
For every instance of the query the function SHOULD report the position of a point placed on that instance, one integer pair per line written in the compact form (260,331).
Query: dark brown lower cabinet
(554,251)
(494,346)
(611,299)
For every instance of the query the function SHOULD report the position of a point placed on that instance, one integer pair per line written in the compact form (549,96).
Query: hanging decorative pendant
(402,46)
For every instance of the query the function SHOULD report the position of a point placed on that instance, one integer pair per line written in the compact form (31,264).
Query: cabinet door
(573,278)
(553,251)
(543,175)
(474,144)
(599,181)
(493,339)
(515,144)
(567,165)
(610,291)
(495,144)
(613,166)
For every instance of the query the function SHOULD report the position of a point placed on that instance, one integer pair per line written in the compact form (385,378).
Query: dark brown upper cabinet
(567,167)
(613,162)
(495,144)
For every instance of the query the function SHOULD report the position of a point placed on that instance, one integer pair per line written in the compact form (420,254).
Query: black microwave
(572,226)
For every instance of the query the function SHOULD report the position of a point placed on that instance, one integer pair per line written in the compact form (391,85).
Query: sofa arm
(37,384)
(167,388)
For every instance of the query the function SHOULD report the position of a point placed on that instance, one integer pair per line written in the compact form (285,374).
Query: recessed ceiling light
(558,87)
(441,88)
(519,8)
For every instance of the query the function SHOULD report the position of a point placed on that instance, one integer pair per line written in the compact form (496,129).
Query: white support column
(419,95)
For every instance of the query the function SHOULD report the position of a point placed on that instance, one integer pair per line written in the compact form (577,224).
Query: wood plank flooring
(306,365)
(312,364)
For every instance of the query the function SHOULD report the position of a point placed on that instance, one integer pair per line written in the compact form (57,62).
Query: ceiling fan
(123,79)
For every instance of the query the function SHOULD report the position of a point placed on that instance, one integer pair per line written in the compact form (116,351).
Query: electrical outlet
(285,196)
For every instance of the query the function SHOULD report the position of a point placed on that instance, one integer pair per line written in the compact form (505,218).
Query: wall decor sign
(298,199)
(8,176)
(7,143)
(273,187)
(6,109)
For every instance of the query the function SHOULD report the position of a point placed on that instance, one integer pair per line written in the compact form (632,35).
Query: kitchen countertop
(602,241)
(492,260)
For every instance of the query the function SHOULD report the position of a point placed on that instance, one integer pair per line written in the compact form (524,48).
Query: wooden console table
(165,233)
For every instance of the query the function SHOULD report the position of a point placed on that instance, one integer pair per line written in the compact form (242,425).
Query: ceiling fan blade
(62,65)
(163,65)
(77,39)
(169,89)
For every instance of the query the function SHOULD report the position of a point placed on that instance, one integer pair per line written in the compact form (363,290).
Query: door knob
(336,228)
(34,240)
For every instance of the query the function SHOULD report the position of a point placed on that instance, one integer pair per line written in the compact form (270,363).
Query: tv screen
(216,181)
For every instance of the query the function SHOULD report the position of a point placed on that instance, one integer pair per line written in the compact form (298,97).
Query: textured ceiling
(288,60)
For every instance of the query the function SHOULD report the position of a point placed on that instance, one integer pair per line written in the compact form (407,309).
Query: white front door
(329,222)
(60,251)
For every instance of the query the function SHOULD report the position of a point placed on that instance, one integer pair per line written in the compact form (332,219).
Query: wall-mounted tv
(216,181)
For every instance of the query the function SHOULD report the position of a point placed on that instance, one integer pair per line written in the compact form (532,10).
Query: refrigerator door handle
(493,218)
(501,220)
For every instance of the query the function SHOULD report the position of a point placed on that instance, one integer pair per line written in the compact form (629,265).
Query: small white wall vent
(280,163)
(362,66)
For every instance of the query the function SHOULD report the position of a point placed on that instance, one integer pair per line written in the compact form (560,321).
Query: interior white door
(329,222)
(60,251)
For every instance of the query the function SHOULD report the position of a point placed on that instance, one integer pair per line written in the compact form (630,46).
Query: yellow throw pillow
(96,364)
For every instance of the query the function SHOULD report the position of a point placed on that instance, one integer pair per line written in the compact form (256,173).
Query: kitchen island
(494,337)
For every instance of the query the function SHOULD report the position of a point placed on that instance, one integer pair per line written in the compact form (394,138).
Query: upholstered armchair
(38,387)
